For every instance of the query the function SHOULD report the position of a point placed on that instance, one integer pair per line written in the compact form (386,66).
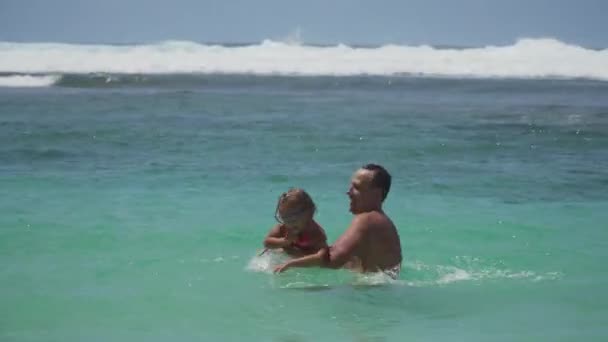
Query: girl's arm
(274,239)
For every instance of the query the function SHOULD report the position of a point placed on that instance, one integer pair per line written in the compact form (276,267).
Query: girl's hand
(282,268)
(291,237)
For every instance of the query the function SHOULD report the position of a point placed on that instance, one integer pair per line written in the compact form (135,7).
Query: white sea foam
(22,81)
(472,270)
(454,276)
(527,58)
(416,273)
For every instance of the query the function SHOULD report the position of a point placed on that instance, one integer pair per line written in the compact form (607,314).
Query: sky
(376,22)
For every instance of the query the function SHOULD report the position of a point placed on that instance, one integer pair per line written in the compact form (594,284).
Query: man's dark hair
(380,179)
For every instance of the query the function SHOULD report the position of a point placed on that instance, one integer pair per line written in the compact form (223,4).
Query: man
(371,243)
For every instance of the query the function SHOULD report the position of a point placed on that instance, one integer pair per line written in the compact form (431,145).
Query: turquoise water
(134,211)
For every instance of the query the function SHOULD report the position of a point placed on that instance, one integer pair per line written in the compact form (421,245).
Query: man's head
(368,189)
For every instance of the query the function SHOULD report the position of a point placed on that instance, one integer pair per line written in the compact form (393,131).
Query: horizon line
(297,42)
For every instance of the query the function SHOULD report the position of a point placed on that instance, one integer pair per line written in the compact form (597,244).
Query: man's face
(361,191)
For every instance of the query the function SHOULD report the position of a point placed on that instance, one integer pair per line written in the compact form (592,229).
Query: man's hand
(282,268)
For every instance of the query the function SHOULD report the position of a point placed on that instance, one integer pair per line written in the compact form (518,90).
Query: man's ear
(380,193)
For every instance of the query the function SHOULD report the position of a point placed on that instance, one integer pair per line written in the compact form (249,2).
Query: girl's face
(295,221)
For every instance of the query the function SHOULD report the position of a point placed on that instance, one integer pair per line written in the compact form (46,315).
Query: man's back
(381,247)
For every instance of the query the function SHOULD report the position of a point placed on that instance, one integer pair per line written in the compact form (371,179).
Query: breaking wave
(527,58)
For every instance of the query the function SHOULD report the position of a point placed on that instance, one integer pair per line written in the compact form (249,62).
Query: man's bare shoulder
(370,219)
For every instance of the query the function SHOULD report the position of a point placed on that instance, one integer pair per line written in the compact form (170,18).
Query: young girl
(297,232)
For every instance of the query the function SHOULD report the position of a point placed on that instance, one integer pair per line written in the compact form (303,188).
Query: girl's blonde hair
(294,202)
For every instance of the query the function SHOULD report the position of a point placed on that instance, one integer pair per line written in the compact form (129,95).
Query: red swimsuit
(303,242)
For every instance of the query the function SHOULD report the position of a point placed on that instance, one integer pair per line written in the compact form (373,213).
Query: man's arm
(347,244)
(305,261)
(338,254)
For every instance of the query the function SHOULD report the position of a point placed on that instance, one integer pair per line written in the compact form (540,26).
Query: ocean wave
(28,81)
(527,58)
(36,154)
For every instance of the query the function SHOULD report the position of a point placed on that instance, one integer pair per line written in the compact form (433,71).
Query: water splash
(417,273)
